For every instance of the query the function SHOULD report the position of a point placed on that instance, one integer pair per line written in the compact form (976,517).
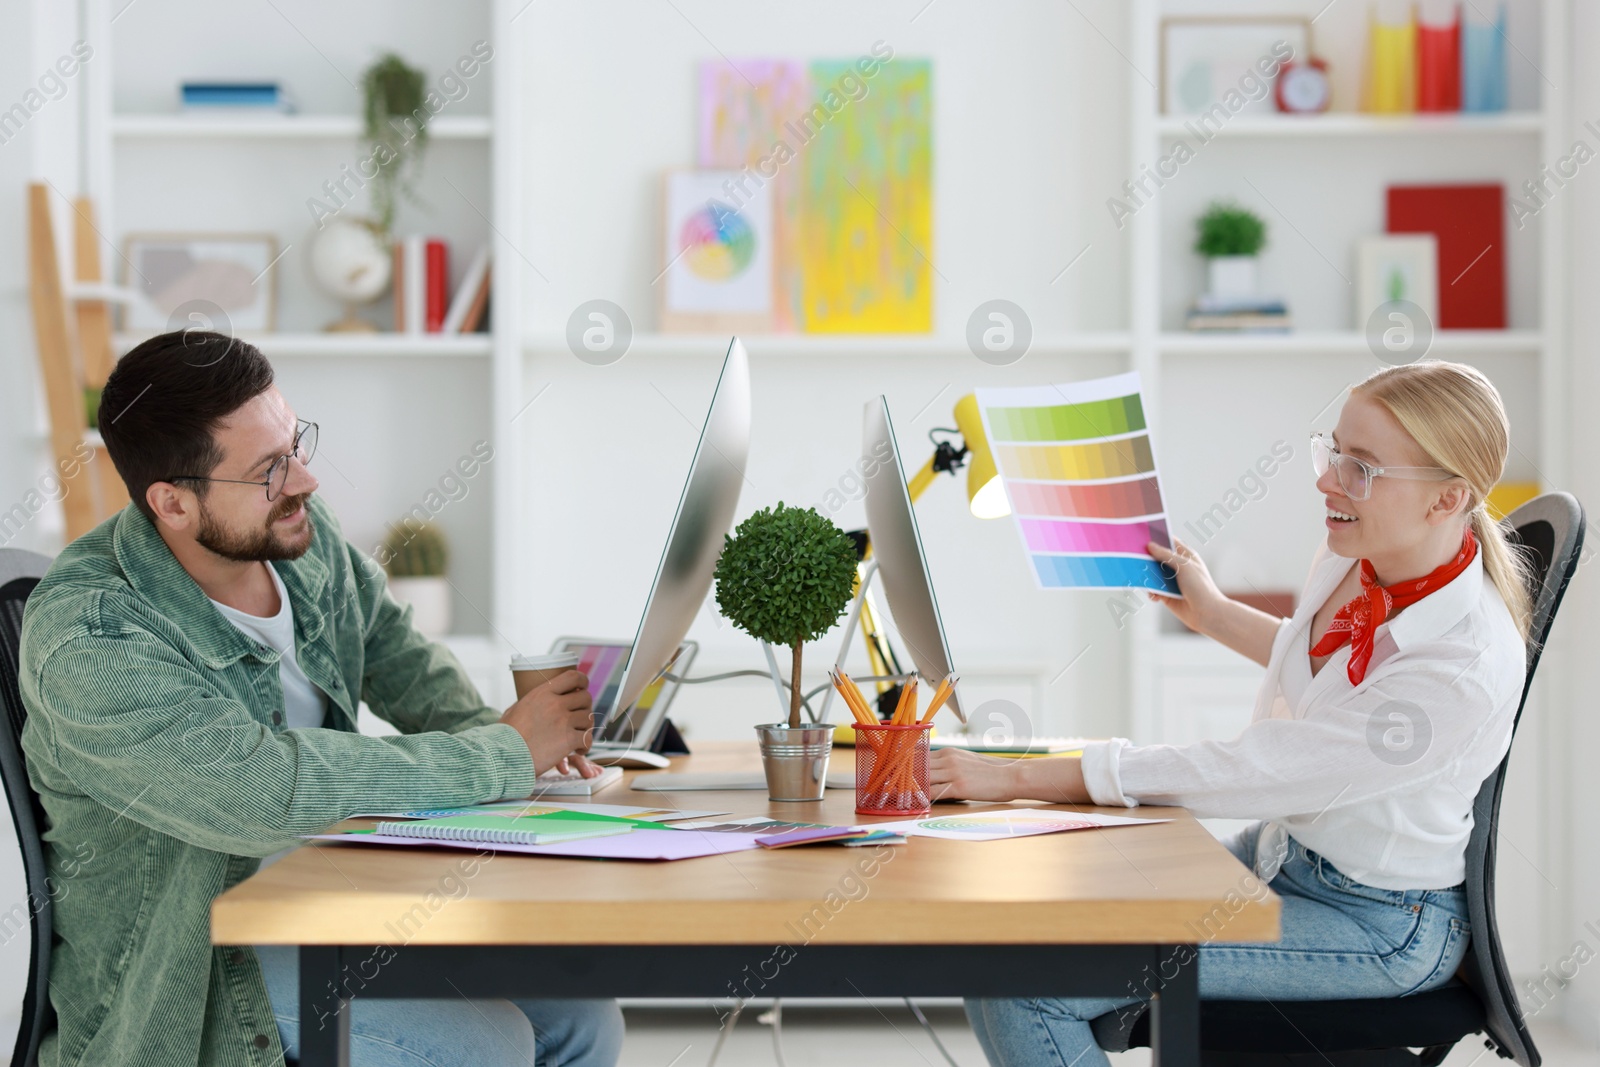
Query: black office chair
(19,572)
(1382,1032)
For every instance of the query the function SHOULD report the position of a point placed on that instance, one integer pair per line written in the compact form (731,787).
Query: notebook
(505,830)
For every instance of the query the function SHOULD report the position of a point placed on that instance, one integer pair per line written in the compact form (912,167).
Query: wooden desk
(1087,913)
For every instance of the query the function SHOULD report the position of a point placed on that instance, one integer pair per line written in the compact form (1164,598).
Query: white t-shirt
(1378,777)
(304,705)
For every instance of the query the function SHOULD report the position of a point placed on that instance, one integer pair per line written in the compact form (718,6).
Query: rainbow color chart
(1081,478)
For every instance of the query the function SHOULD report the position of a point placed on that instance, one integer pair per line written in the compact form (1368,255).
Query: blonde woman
(1388,699)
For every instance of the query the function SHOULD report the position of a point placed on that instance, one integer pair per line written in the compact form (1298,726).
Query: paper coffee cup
(530,672)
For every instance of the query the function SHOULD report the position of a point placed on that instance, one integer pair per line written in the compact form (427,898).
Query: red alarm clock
(1303,88)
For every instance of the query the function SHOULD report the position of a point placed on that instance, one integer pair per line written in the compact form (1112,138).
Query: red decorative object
(1303,87)
(1439,66)
(1469,223)
(438,285)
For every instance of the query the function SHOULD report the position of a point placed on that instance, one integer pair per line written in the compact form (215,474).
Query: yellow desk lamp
(986,496)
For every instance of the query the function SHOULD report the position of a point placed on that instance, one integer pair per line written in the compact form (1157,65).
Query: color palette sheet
(1080,473)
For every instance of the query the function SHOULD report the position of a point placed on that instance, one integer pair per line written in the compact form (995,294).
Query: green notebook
(504,830)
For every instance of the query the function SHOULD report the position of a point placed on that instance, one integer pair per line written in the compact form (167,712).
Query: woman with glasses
(1389,698)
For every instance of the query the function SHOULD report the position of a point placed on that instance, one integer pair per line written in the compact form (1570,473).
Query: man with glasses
(192,669)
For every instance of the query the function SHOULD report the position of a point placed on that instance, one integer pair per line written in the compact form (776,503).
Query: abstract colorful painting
(847,157)
(866,227)
(1081,477)
(742,111)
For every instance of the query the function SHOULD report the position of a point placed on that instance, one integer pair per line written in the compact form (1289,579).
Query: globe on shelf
(351,263)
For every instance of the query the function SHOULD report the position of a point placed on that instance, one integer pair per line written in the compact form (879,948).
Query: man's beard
(256,545)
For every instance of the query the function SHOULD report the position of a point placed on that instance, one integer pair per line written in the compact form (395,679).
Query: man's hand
(957,775)
(556,720)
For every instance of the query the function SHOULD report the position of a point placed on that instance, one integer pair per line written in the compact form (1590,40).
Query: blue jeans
(444,1033)
(1341,940)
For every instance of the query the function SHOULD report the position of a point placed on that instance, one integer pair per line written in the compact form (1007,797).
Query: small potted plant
(394,117)
(1230,237)
(784,577)
(415,558)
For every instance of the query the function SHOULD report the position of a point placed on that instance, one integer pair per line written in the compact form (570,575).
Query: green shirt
(155,740)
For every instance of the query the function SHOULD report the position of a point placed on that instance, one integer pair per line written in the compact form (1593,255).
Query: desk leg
(324,1010)
(1175,1011)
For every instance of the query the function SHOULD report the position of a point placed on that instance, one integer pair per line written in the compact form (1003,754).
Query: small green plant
(394,117)
(1229,230)
(784,577)
(419,552)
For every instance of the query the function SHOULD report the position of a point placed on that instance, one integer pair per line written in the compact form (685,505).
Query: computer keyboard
(573,784)
(1041,746)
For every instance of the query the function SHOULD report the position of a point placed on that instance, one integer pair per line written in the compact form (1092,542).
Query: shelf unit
(365,345)
(345,127)
(1533,133)
(476,147)
(844,345)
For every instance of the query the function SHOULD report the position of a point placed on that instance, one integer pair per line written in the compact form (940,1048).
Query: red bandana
(1358,621)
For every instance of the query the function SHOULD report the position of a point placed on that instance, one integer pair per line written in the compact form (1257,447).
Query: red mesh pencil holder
(892,769)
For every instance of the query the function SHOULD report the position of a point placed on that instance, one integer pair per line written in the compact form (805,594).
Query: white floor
(886,1035)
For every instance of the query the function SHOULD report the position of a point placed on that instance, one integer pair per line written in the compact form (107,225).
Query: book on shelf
(436,284)
(1238,314)
(473,281)
(410,284)
(231,98)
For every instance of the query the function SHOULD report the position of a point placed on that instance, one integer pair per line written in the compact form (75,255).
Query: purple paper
(641,845)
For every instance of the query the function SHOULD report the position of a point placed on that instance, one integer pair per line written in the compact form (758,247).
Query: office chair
(19,572)
(1382,1032)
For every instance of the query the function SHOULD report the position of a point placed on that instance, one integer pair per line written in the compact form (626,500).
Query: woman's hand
(957,775)
(1200,593)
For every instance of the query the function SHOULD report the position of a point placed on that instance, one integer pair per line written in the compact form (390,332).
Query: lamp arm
(919,482)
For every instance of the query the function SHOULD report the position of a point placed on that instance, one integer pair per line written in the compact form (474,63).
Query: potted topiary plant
(784,577)
(1230,237)
(415,559)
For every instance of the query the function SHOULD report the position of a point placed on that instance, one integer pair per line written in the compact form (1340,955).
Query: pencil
(908,699)
(946,687)
(858,711)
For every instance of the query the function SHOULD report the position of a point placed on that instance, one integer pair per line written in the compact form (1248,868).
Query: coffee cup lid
(544,663)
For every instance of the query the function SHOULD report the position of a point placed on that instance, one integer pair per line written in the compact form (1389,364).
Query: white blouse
(1379,777)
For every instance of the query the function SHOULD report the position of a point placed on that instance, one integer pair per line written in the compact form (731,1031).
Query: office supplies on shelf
(506,829)
(211,98)
(1079,468)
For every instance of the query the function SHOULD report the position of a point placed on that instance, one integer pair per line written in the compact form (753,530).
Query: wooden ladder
(90,486)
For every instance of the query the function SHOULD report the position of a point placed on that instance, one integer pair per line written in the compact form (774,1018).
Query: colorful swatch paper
(1080,473)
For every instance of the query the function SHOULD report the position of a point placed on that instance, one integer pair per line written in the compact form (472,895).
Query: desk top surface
(1165,883)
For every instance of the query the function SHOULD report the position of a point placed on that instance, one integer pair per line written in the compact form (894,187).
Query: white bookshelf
(379,345)
(1354,124)
(405,406)
(339,127)
(1372,151)
(885,345)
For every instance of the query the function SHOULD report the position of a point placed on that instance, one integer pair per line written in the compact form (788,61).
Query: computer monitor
(684,575)
(897,546)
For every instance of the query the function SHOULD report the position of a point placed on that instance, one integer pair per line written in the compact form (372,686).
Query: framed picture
(1205,59)
(205,280)
(1397,268)
(716,252)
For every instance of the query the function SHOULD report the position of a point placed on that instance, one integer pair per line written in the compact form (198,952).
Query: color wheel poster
(1081,477)
(718,245)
